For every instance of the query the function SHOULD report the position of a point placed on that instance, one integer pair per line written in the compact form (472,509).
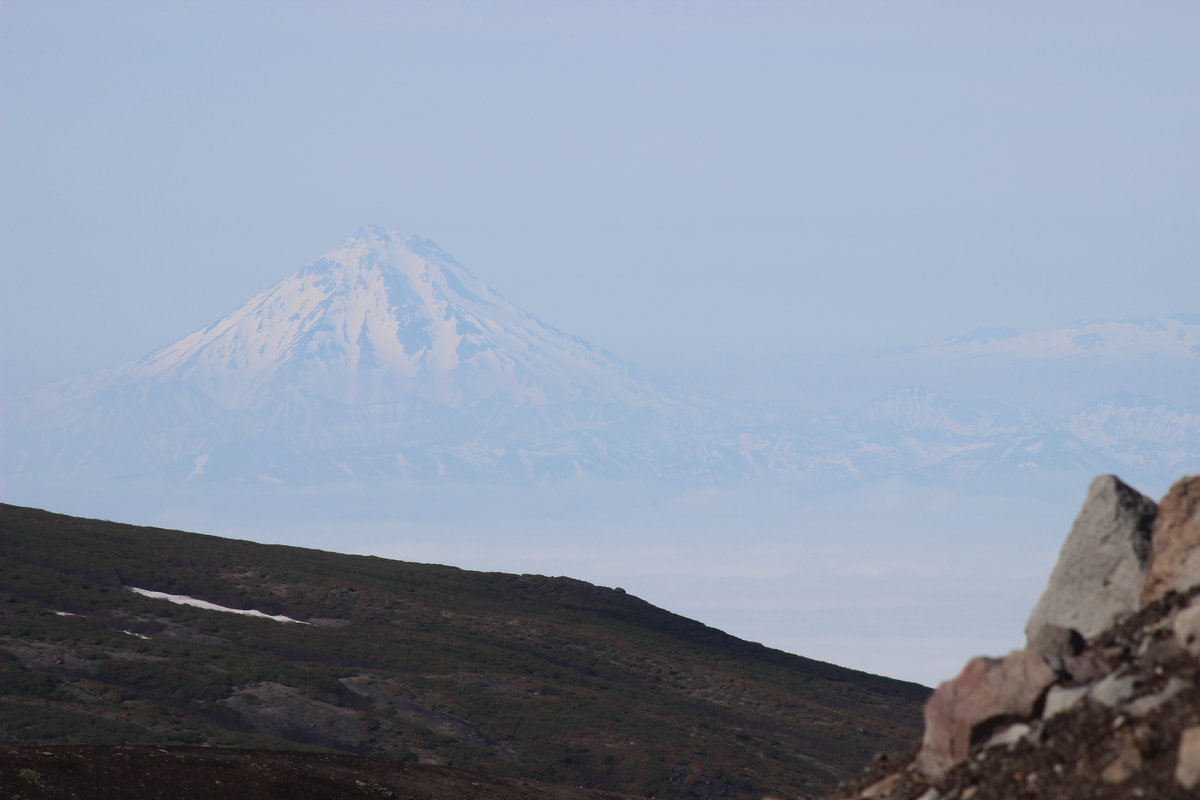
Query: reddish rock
(1127,763)
(1175,542)
(988,690)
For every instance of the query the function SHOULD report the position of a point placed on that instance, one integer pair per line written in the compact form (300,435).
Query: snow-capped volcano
(385,319)
(383,357)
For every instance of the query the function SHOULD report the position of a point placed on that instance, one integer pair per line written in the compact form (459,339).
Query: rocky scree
(1104,701)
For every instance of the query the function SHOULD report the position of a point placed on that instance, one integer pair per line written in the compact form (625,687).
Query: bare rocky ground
(1110,717)
(1102,704)
(1094,750)
(206,773)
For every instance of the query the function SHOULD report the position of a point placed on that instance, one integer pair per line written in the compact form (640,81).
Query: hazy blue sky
(667,179)
(700,183)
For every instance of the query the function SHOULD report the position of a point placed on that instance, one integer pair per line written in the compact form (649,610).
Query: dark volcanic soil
(202,773)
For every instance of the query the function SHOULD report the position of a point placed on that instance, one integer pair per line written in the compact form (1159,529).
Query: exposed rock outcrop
(1175,552)
(1081,714)
(1100,569)
(988,689)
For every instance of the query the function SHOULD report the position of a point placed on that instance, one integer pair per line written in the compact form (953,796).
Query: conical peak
(375,245)
(373,240)
(380,319)
(377,236)
(366,233)
(375,248)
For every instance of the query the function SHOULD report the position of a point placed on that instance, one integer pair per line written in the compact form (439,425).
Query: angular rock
(1014,733)
(1113,690)
(1101,566)
(1065,651)
(987,691)
(1056,641)
(1186,628)
(881,789)
(1144,706)
(1125,765)
(1175,545)
(1060,699)
(1187,761)
(1083,668)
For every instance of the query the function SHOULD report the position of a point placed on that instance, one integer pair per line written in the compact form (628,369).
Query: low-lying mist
(892,578)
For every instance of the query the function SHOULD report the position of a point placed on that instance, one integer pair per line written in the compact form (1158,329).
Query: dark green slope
(523,675)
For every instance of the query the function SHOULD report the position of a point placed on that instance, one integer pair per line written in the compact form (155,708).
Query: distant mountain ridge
(386,359)
(921,433)
(1176,336)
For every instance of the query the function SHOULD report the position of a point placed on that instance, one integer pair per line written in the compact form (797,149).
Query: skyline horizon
(832,175)
(750,200)
(674,541)
(28,383)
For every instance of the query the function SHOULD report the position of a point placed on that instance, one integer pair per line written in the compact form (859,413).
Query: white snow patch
(184,600)
(138,635)
(64,614)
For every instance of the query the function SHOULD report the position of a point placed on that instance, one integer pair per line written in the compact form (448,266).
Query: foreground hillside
(519,675)
(209,773)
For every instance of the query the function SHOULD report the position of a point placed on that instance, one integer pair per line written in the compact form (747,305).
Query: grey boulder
(1100,569)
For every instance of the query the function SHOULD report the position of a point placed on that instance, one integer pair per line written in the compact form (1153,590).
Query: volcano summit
(385,357)
(386,319)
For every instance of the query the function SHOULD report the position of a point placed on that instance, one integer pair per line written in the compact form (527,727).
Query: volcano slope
(523,676)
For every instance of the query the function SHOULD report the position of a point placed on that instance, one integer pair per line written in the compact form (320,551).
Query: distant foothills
(386,359)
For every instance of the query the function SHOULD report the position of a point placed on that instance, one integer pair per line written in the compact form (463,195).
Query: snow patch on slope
(184,600)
